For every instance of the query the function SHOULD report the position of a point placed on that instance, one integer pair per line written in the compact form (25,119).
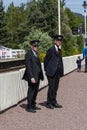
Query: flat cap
(58,37)
(34,42)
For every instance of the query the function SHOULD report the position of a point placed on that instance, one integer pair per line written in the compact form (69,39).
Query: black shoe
(36,108)
(50,106)
(30,110)
(56,105)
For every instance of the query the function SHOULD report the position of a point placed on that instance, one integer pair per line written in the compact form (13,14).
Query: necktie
(58,51)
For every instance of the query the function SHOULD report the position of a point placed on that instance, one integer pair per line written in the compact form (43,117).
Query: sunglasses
(35,46)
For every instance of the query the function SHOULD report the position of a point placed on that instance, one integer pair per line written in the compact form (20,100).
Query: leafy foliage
(44,38)
(4,32)
(39,20)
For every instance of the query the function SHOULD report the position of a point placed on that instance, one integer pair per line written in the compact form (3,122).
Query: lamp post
(84,6)
(59,25)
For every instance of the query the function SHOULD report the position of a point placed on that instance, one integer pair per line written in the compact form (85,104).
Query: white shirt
(56,48)
(35,53)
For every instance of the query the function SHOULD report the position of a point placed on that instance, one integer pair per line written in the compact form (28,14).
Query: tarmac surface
(72,95)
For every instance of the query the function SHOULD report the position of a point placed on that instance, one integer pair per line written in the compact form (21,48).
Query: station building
(7,53)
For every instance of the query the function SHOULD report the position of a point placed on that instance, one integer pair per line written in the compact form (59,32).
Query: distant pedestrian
(79,61)
(33,74)
(53,66)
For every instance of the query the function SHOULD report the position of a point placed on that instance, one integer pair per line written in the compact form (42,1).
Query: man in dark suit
(33,74)
(53,66)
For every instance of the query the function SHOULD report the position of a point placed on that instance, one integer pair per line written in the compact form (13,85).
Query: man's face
(58,43)
(35,47)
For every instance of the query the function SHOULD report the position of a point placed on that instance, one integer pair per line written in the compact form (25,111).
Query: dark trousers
(32,94)
(52,88)
(79,66)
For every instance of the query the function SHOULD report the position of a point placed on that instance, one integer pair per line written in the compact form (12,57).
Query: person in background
(33,74)
(53,66)
(85,56)
(79,61)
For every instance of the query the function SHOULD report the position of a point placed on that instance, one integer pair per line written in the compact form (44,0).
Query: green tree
(68,42)
(74,21)
(80,43)
(4,33)
(42,15)
(22,31)
(45,40)
(49,9)
(35,16)
(15,16)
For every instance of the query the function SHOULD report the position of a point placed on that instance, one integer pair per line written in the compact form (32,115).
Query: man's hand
(33,80)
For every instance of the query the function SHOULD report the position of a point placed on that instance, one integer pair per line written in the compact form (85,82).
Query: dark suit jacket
(33,67)
(53,62)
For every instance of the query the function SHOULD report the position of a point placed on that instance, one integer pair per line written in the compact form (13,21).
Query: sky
(16,2)
(74,5)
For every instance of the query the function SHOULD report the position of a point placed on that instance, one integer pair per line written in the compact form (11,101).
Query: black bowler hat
(34,42)
(58,37)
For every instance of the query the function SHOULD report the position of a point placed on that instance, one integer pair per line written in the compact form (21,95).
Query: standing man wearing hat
(33,74)
(53,66)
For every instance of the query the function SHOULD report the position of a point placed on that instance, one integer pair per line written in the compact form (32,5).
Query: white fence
(13,89)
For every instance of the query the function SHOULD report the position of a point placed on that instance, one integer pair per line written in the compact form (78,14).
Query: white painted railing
(13,89)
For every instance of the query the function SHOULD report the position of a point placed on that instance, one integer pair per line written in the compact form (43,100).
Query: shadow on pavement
(43,103)
(24,106)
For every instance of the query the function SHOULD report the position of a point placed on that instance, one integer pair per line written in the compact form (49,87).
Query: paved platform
(72,95)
